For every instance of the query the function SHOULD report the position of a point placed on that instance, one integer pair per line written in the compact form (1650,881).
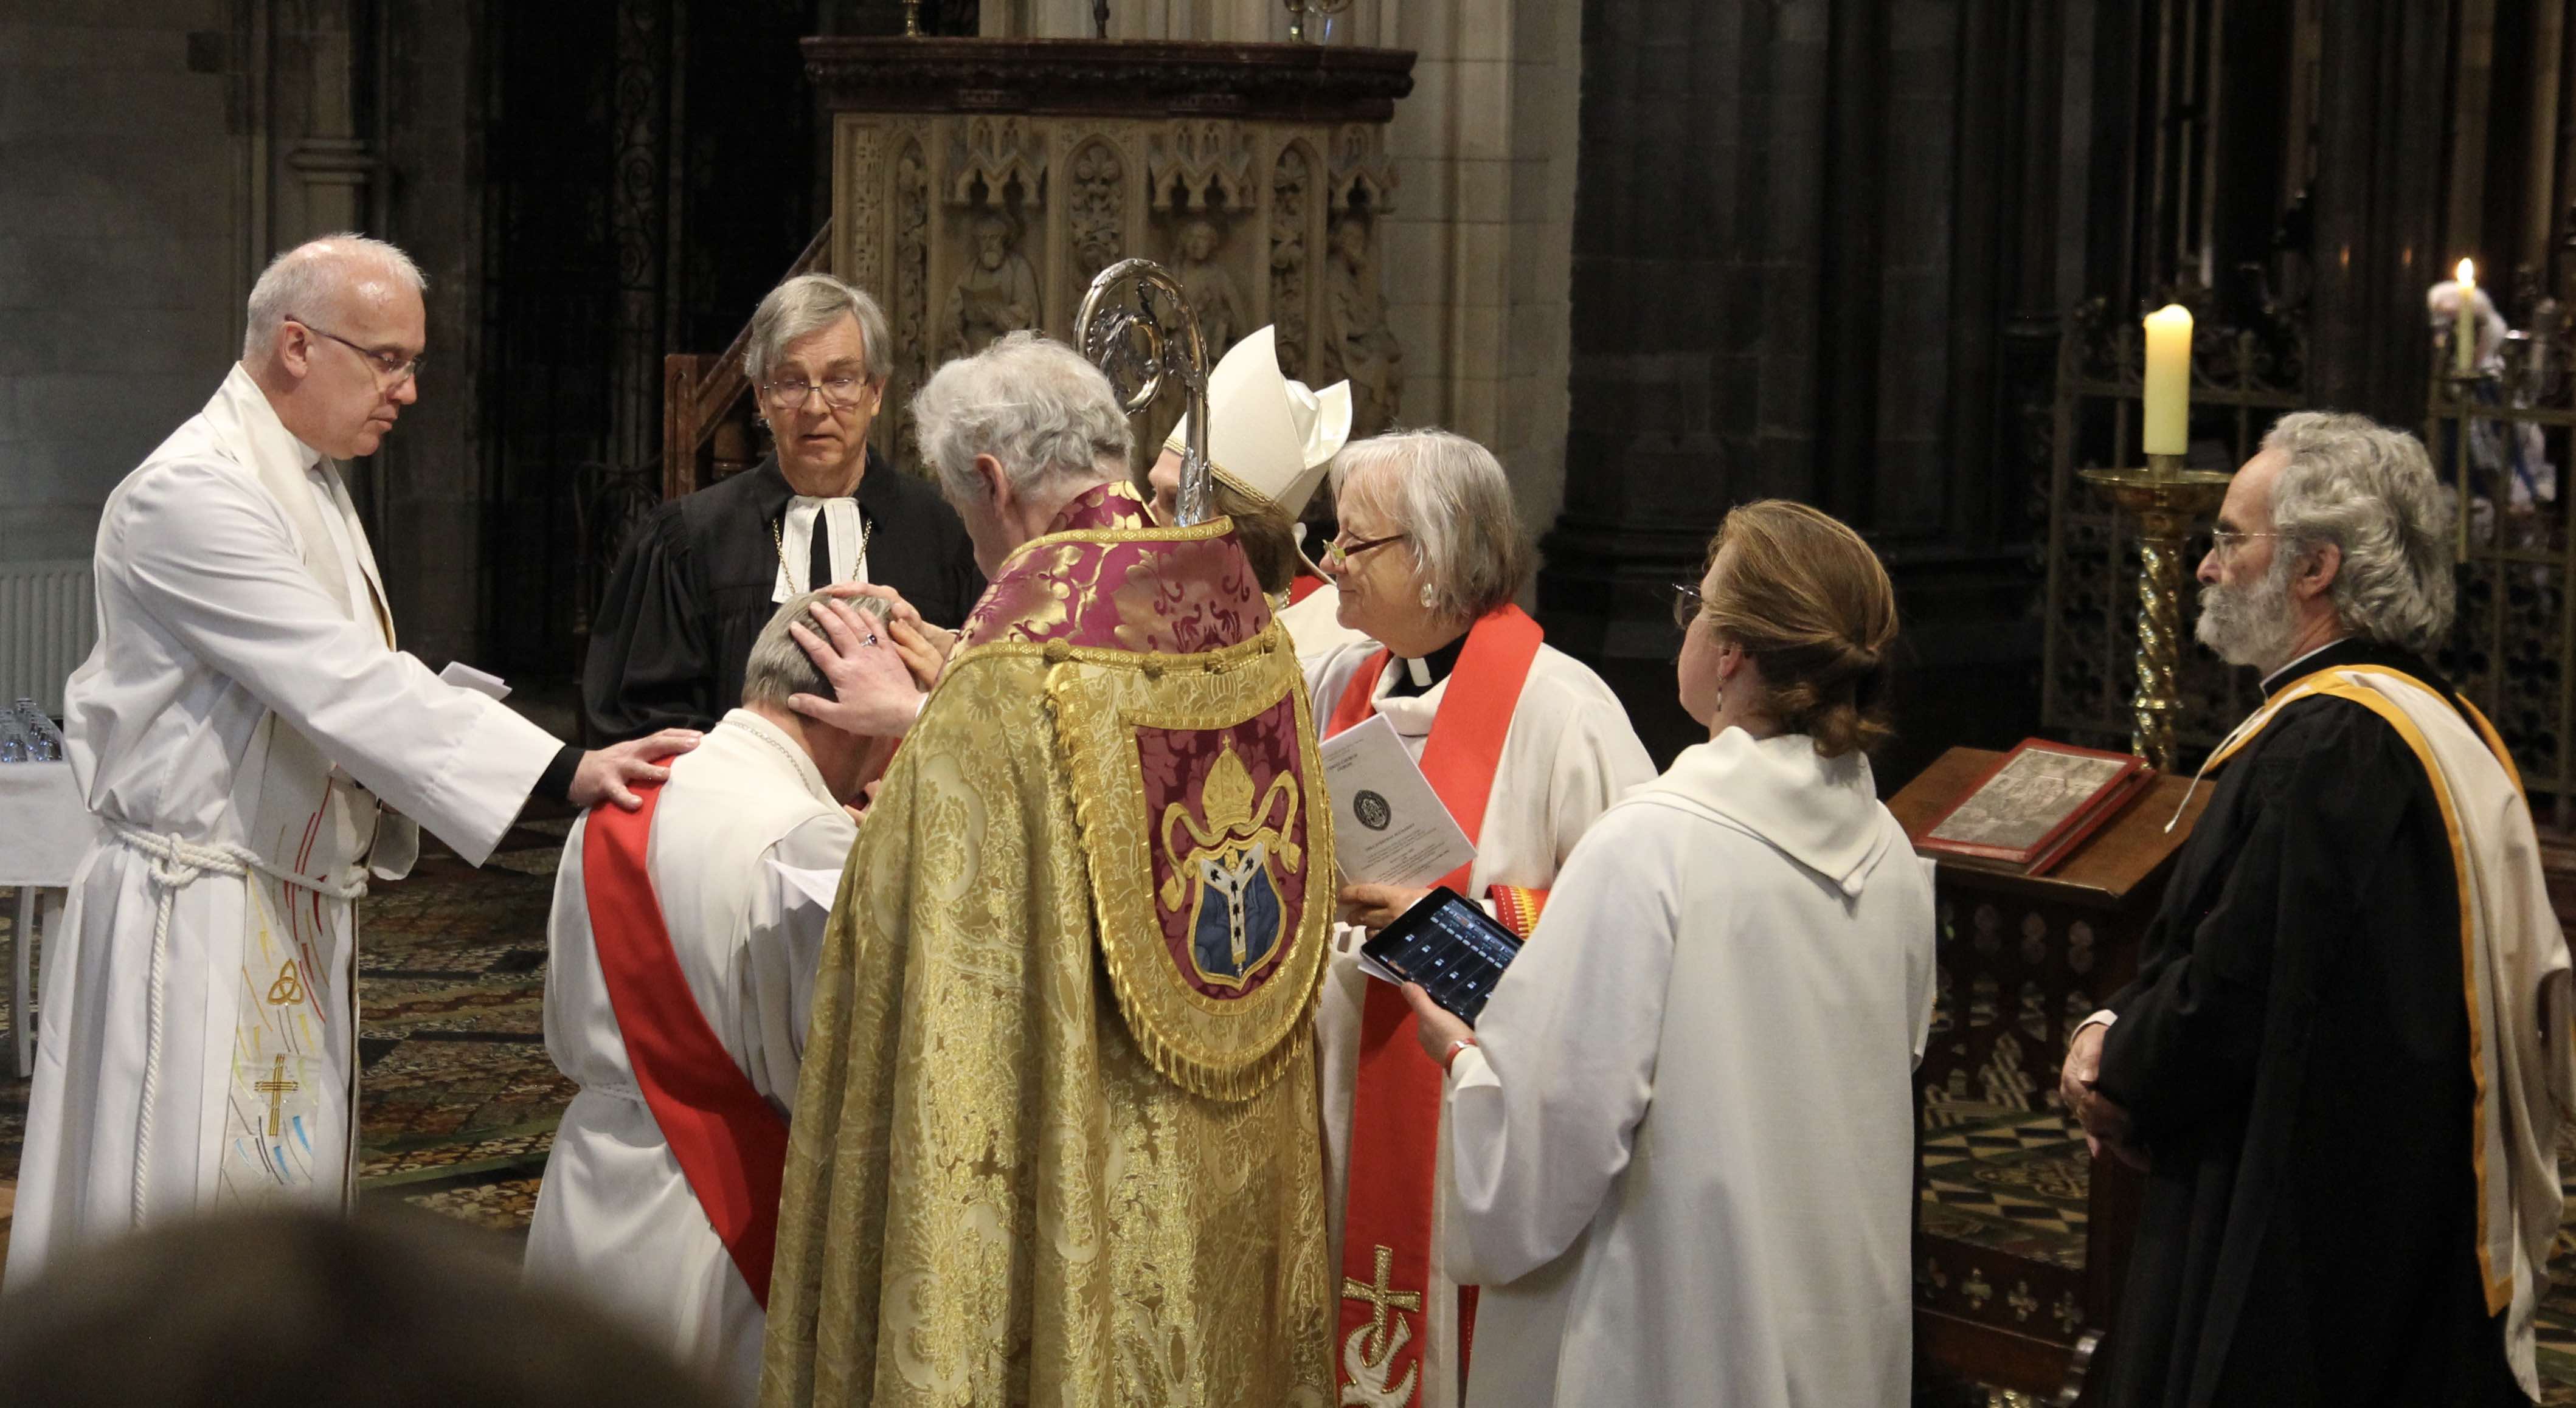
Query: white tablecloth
(44,829)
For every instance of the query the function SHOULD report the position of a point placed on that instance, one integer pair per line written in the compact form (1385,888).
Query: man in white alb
(253,747)
(740,855)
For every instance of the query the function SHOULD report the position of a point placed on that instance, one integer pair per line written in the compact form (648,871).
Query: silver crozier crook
(1137,350)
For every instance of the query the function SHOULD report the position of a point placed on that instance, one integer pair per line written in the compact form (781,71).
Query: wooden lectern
(2020,1247)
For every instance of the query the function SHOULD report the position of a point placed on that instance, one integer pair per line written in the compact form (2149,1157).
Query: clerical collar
(1418,676)
(2356,650)
(2273,681)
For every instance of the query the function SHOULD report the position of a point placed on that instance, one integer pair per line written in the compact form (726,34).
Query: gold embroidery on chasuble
(995,1193)
(1204,822)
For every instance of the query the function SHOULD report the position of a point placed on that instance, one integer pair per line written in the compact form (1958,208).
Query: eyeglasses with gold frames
(1338,554)
(2225,541)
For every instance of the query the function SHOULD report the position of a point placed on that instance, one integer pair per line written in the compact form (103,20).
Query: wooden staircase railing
(706,423)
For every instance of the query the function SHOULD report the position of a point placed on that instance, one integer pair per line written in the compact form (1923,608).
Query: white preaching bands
(177,864)
(847,525)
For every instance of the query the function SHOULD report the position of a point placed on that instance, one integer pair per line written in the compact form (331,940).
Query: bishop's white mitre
(1268,436)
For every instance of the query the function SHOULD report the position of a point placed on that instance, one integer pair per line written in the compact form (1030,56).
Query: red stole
(731,1144)
(1395,1113)
(1304,585)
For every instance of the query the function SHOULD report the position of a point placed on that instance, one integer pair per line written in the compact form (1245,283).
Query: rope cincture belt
(177,864)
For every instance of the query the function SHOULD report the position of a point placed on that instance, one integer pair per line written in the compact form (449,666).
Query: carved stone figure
(996,294)
(1211,290)
(911,259)
(1096,214)
(1357,343)
(1288,260)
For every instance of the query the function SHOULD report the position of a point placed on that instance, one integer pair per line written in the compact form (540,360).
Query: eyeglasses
(1338,554)
(840,392)
(1686,604)
(391,369)
(2226,541)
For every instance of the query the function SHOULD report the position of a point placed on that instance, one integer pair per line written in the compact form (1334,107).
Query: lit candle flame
(2468,274)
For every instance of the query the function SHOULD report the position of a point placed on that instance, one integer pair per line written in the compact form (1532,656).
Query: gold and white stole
(2514,966)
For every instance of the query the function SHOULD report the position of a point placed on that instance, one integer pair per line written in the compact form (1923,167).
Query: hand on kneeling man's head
(873,691)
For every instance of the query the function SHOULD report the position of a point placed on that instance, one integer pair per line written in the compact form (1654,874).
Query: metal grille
(2242,380)
(2504,434)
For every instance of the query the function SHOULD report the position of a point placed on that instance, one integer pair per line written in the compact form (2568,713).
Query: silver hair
(1030,402)
(2370,491)
(301,282)
(1449,496)
(805,305)
(778,666)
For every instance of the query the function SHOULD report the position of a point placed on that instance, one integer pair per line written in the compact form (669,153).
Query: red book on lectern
(2036,804)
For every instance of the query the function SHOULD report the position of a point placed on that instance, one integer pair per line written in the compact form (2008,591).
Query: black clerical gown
(2295,1052)
(693,589)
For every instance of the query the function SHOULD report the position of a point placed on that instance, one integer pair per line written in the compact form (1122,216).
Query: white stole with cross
(282,1111)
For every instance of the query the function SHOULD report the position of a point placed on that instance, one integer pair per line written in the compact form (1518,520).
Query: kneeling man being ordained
(2346,1055)
(1055,1140)
(682,950)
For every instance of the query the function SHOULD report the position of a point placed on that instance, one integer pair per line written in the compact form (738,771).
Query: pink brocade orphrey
(1105,577)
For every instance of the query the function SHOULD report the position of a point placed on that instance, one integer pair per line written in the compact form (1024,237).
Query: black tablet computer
(1451,947)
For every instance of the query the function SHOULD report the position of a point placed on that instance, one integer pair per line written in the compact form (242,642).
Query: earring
(1428,597)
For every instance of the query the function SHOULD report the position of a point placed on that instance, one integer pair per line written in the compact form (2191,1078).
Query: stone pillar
(1696,296)
(2381,117)
(430,476)
(1815,257)
(325,163)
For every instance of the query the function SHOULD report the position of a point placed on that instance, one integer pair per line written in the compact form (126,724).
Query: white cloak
(243,651)
(616,1219)
(1683,1147)
(1570,753)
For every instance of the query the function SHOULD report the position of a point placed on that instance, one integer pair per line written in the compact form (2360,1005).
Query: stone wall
(120,275)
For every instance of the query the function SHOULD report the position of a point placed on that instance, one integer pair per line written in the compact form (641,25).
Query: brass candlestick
(2166,499)
(912,19)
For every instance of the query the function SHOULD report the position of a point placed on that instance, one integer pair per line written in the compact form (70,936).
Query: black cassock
(693,588)
(2295,1053)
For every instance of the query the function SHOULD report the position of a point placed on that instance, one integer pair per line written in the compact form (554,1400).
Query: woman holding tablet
(1680,1136)
(1525,746)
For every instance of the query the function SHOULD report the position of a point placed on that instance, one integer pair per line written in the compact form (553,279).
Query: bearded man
(2346,1054)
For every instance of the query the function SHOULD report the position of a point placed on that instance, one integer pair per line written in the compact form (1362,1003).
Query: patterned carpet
(2015,1180)
(457,1099)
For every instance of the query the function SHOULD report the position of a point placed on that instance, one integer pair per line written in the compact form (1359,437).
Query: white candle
(2168,389)
(2464,333)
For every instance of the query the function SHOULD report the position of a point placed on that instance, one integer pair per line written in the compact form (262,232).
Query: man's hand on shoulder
(605,772)
(873,691)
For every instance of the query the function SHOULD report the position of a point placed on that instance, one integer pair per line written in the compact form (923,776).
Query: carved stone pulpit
(979,184)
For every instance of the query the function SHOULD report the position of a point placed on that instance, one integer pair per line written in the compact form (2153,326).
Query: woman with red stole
(1526,746)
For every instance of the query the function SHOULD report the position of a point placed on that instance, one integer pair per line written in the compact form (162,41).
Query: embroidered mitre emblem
(1229,870)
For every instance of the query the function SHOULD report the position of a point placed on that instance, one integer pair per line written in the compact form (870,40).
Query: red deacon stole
(1395,1113)
(731,1144)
